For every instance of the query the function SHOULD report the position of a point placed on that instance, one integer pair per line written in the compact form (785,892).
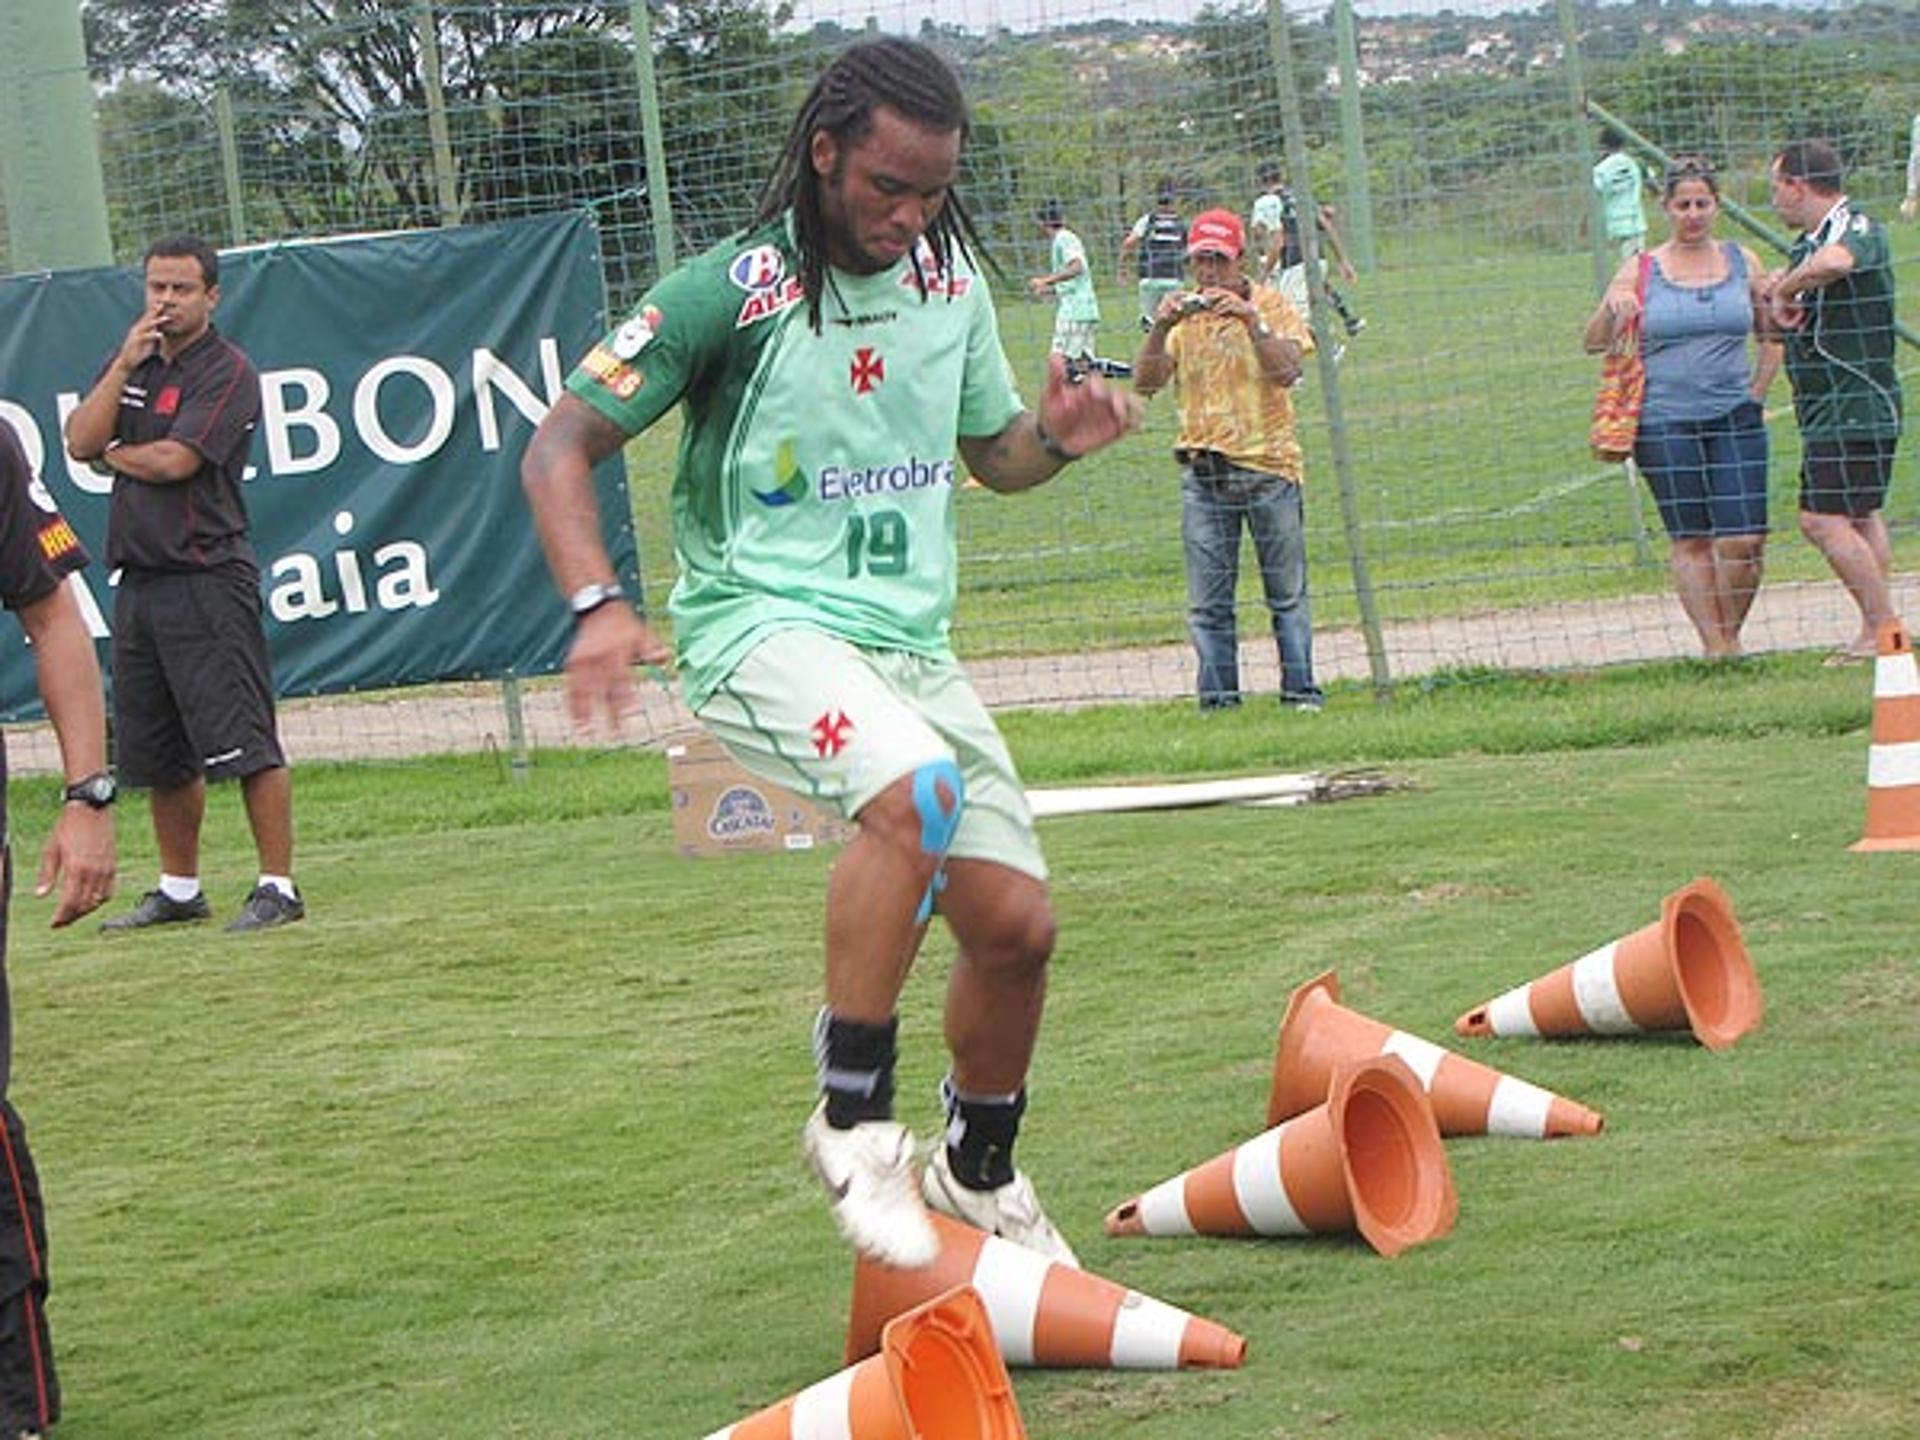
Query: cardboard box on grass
(720,808)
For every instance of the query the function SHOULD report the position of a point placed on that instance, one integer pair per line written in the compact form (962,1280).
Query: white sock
(282,883)
(179,888)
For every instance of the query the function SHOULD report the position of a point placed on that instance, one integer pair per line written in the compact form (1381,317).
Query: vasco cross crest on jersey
(869,368)
(830,733)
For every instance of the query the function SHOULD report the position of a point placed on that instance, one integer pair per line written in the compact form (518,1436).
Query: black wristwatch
(589,598)
(96,790)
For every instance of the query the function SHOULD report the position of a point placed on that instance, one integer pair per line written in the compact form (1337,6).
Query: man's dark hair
(1815,162)
(1271,173)
(1166,192)
(907,78)
(175,247)
(1051,212)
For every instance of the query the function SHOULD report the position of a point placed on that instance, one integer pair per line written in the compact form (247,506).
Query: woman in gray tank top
(1702,444)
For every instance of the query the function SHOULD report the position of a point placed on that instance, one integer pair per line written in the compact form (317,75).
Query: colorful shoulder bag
(1623,387)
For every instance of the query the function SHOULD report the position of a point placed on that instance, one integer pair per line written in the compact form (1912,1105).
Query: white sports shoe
(868,1172)
(1012,1212)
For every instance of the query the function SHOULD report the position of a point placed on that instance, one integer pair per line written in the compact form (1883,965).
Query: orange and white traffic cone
(1688,970)
(1893,759)
(1318,1033)
(1044,1313)
(1369,1159)
(938,1376)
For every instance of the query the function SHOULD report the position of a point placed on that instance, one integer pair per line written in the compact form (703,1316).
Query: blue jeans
(1709,477)
(1213,506)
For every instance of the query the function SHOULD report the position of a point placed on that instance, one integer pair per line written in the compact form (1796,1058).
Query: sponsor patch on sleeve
(57,538)
(634,336)
(613,373)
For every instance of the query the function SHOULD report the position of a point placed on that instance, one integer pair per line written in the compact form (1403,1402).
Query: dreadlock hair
(907,78)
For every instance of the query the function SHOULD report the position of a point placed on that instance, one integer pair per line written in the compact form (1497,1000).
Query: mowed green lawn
(1465,404)
(502,1141)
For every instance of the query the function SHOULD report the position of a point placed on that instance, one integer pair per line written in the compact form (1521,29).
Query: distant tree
(543,111)
(160,161)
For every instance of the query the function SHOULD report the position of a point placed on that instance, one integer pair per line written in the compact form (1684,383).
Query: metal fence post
(511,701)
(1353,138)
(56,196)
(1583,145)
(1281,46)
(446,178)
(659,193)
(230,165)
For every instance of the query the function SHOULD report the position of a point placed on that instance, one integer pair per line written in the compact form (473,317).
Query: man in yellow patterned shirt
(1233,350)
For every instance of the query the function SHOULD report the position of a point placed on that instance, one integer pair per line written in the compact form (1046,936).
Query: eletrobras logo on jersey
(839,482)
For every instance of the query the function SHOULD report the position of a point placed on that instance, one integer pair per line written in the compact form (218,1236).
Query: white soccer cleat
(1012,1212)
(868,1172)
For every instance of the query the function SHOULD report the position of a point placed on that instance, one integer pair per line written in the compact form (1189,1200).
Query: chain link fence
(1455,520)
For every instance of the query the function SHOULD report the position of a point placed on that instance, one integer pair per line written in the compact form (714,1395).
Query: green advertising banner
(401,377)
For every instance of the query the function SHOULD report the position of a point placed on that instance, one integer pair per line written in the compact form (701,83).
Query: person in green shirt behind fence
(1076,320)
(1621,181)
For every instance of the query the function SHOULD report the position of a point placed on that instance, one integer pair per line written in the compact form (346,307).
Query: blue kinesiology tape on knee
(938,818)
(925,912)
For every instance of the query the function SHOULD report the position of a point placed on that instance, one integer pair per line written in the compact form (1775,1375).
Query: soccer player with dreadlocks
(829,360)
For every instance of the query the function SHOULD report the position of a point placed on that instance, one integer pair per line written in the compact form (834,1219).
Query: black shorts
(192,681)
(1846,477)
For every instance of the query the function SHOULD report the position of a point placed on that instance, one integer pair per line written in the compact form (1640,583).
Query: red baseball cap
(1216,232)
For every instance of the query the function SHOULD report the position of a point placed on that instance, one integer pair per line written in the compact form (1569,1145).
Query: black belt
(1207,464)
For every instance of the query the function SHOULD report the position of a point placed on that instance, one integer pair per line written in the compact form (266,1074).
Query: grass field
(502,1140)
(1466,405)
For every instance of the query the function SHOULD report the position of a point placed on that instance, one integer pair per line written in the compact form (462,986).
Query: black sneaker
(266,907)
(1355,324)
(156,908)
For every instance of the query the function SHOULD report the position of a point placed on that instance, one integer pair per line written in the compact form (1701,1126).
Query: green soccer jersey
(1841,361)
(816,475)
(1619,179)
(1077,299)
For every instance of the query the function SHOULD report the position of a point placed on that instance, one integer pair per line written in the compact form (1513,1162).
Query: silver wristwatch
(589,598)
(96,790)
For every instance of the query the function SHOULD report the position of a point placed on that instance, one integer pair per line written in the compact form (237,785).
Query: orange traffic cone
(1688,970)
(1044,1313)
(1893,759)
(1370,1159)
(1468,1099)
(938,1376)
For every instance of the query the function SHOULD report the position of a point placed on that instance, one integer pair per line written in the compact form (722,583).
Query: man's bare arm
(557,474)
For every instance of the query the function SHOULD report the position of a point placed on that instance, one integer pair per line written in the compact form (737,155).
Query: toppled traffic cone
(1044,1313)
(938,1376)
(1688,970)
(1319,1033)
(1893,759)
(1369,1159)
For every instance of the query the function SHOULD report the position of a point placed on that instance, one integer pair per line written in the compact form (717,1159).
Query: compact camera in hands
(1191,302)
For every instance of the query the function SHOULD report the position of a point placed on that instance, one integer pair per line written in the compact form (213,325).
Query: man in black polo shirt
(171,418)
(38,550)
